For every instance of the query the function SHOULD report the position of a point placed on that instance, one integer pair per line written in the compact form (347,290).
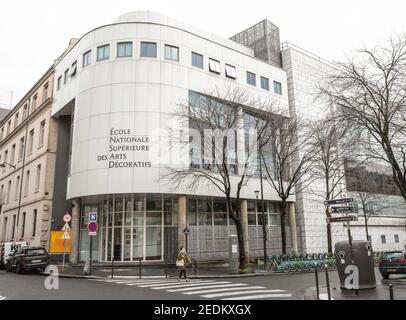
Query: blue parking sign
(92,216)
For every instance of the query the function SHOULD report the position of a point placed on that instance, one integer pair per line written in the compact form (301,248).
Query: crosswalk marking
(236,293)
(262,296)
(209,287)
(222,290)
(175,282)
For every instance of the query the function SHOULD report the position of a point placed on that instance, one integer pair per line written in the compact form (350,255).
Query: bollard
(391,297)
(194,266)
(112,267)
(317,282)
(139,268)
(328,285)
(166,268)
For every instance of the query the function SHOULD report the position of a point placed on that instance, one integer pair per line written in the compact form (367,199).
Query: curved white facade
(137,95)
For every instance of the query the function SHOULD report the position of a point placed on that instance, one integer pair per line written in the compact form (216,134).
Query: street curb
(73,276)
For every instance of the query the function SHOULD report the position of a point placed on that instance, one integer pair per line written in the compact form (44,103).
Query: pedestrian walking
(182,261)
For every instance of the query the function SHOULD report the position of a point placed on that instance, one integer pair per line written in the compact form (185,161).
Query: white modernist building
(116,90)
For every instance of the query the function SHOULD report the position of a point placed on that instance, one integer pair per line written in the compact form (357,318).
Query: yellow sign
(56,245)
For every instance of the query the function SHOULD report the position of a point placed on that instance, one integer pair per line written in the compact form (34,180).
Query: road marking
(192,285)
(223,289)
(225,294)
(179,284)
(209,287)
(146,282)
(261,296)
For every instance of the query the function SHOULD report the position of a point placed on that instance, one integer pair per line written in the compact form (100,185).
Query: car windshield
(35,252)
(393,255)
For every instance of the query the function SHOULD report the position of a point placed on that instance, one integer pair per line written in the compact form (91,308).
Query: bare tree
(288,173)
(370,94)
(216,133)
(331,145)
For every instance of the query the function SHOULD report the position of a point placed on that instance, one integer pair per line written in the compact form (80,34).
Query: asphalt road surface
(32,286)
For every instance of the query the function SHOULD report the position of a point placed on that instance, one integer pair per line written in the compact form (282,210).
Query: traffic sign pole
(90,255)
(64,253)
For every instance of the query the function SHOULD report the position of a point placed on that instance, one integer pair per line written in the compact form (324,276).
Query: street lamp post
(264,235)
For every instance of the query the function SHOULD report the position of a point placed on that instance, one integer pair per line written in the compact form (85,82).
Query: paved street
(31,286)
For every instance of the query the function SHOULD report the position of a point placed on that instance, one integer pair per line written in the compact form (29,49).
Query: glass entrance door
(138,236)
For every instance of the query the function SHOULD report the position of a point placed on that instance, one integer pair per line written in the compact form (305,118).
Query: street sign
(92,226)
(342,209)
(186,231)
(92,233)
(66,227)
(67,217)
(342,219)
(338,201)
(92,216)
(66,236)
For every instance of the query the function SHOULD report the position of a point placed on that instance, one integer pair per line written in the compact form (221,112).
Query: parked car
(393,262)
(28,258)
(8,248)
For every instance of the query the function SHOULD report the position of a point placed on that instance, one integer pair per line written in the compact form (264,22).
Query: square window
(124,49)
(87,57)
(214,66)
(277,87)
(103,52)
(251,78)
(171,53)
(264,83)
(148,49)
(230,72)
(197,60)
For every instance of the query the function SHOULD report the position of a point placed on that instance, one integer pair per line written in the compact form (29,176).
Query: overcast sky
(34,33)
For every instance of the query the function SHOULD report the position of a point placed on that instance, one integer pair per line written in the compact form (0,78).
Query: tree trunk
(241,246)
(283,207)
(329,238)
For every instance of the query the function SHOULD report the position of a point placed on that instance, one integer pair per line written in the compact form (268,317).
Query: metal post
(328,284)
(186,248)
(139,268)
(64,254)
(112,267)
(391,297)
(317,282)
(264,235)
(194,266)
(166,269)
(90,254)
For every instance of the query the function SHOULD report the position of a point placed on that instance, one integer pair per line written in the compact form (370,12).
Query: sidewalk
(381,292)
(158,271)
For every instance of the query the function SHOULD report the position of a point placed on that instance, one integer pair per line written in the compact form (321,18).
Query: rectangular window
(8,127)
(396,238)
(2,133)
(8,192)
(45,92)
(38,177)
(59,83)
(197,60)
(12,155)
(124,49)
(5,159)
(41,134)
(34,223)
(277,87)
(27,182)
(73,69)
(30,141)
(171,53)
(383,239)
(65,76)
(17,189)
(34,102)
(25,111)
(87,58)
(230,72)
(103,52)
(264,83)
(214,66)
(21,151)
(23,229)
(16,120)
(251,78)
(148,49)
(14,226)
